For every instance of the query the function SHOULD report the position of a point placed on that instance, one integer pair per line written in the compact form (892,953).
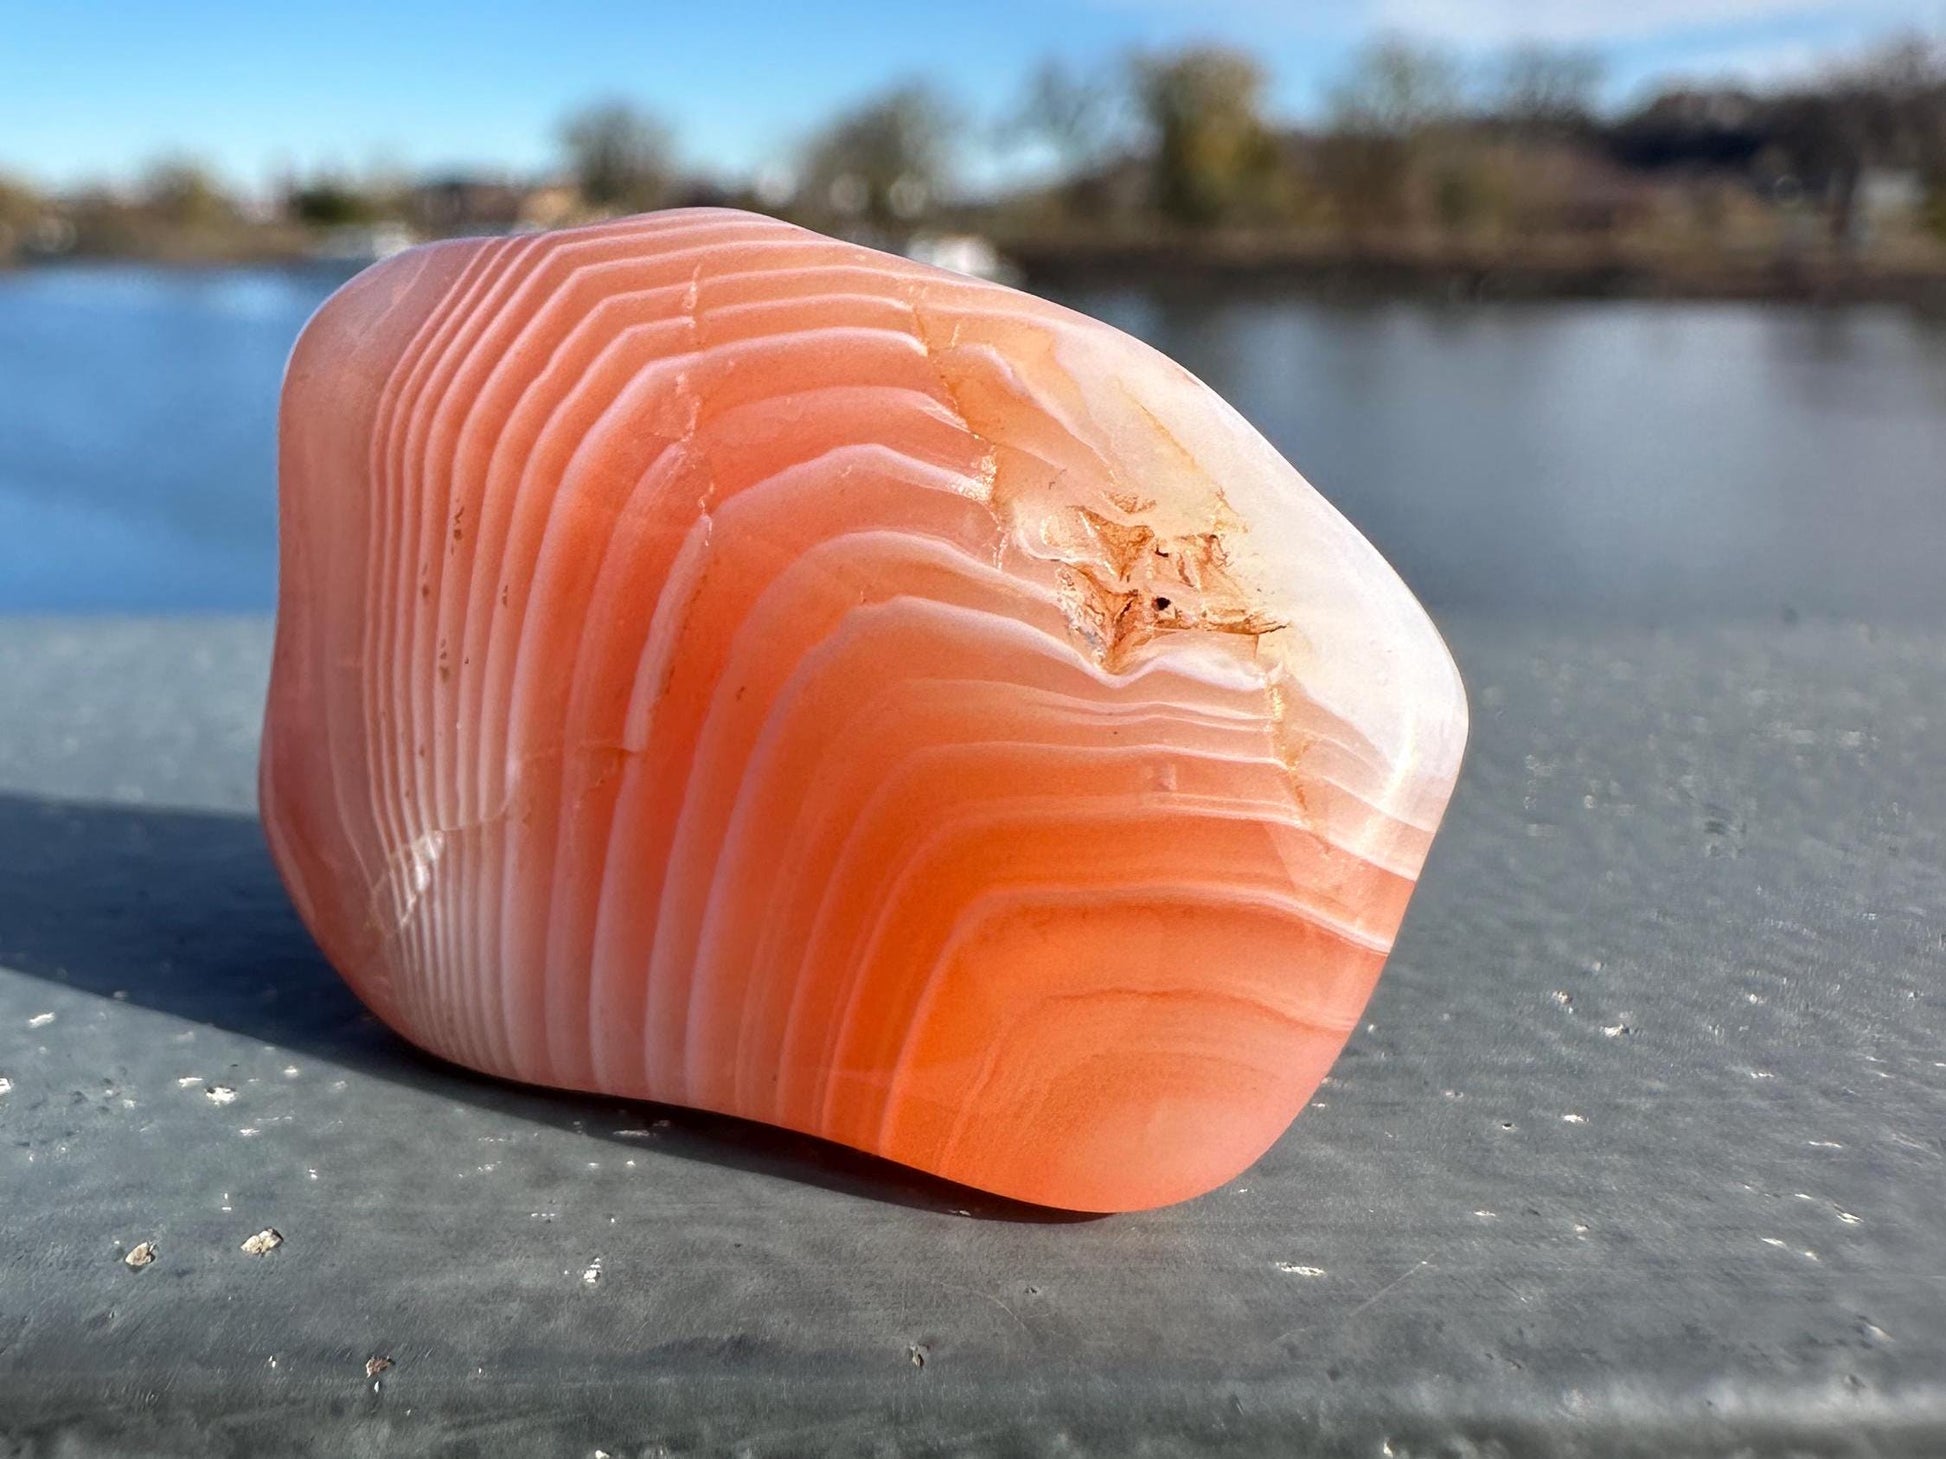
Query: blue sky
(93,90)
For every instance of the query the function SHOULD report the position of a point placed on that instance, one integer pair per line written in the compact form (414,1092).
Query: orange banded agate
(721,665)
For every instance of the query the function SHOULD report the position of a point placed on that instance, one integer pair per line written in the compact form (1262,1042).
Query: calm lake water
(1630,460)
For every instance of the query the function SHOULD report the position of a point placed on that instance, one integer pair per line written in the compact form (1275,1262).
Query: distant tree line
(1412,142)
(1412,145)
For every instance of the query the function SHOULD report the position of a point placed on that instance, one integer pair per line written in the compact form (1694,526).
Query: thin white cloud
(1754,65)
(1582,22)
(1594,21)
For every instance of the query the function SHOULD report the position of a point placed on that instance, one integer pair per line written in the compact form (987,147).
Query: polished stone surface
(728,666)
(1641,1151)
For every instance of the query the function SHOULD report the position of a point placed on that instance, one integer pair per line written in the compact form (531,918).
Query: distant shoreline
(1463,273)
(1334,268)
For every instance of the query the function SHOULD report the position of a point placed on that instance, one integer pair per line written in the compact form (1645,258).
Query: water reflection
(137,420)
(1639,460)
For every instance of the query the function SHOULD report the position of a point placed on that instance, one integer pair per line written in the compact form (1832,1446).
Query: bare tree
(1547,90)
(1395,95)
(1901,86)
(19,203)
(887,162)
(1397,88)
(1886,109)
(20,210)
(1077,115)
(183,194)
(1081,117)
(1213,153)
(618,156)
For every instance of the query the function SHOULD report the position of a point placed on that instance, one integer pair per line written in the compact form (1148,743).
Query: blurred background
(1633,309)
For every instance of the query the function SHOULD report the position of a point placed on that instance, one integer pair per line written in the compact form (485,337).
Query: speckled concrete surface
(1643,1150)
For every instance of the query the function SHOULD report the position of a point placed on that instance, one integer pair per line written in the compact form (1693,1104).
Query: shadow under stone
(182,912)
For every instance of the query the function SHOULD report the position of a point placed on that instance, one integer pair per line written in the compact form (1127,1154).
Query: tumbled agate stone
(721,665)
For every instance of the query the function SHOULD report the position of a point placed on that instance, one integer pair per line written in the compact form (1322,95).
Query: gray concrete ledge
(1642,1151)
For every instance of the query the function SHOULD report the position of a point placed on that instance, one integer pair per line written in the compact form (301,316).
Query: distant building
(1722,128)
(1888,195)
